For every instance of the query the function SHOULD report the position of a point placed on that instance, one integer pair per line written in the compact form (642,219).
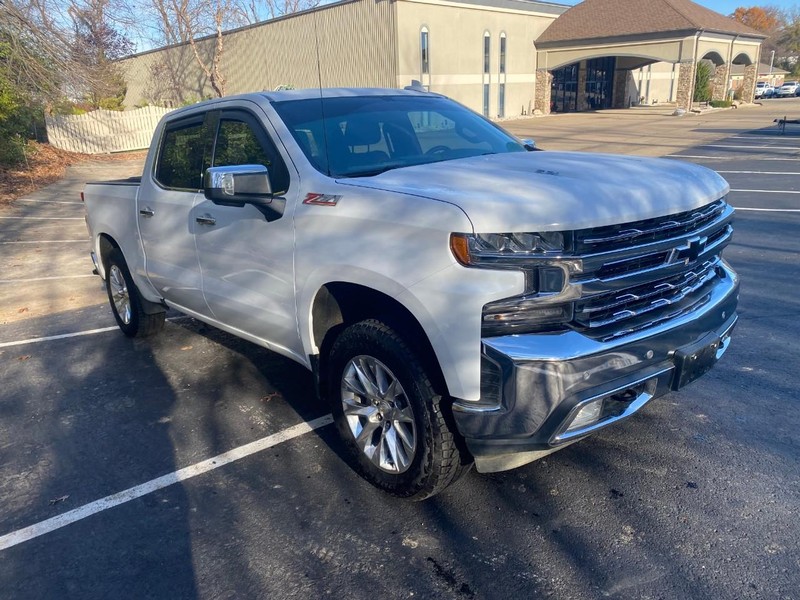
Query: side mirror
(238,185)
(530,145)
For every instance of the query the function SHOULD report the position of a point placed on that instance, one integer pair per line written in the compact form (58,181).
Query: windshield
(366,135)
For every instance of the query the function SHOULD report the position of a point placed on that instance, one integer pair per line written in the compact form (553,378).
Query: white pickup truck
(458,298)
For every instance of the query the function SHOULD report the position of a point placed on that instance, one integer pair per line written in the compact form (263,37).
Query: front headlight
(485,249)
(544,258)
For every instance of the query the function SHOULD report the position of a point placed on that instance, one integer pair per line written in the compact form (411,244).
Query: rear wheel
(389,415)
(126,302)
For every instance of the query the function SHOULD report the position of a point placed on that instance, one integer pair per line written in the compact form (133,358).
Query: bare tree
(65,47)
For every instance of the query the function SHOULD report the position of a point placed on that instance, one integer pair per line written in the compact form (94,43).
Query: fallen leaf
(270,396)
(59,499)
(22,310)
(24,357)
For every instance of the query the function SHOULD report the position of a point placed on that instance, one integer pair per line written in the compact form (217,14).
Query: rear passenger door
(247,262)
(165,205)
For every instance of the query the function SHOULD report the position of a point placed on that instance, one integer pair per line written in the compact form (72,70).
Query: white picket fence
(102,131)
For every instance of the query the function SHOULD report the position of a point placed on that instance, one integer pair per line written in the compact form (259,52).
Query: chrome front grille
(639,274)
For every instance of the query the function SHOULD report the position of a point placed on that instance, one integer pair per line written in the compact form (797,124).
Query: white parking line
(49,242)
(770,191)
(774,136)
(760,172)
(87,510)
(43,218)
(32,279)
(62,336)
(790,210)
(749,147)
(728,157)
(46,201)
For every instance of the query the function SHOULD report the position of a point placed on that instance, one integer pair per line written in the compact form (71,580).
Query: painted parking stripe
(43,218)
(770,191)
(87,510)
(727,157)
(789,210)
(62,336)
(33,279)
(46,201)
(759,172)
(49,242)
(749,147)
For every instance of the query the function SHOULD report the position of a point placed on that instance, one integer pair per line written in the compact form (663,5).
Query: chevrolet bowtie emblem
(688,252)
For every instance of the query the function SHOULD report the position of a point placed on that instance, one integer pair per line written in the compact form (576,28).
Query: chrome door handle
(147,212)
(206,220)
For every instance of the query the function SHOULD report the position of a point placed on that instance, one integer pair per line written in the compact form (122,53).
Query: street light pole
(771,61)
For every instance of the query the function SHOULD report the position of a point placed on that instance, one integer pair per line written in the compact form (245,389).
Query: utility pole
(771,61)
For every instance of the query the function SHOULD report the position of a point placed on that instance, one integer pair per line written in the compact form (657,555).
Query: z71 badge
(322,199)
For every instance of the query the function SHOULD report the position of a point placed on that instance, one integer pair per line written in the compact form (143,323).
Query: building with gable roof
(502,58)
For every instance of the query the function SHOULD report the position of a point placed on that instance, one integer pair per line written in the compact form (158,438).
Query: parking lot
(197,465)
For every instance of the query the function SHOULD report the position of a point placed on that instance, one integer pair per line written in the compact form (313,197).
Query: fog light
(587,415)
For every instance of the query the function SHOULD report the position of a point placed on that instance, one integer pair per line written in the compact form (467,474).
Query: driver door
(247,262)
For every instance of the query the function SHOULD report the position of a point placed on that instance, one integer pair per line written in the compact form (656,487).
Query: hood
(549,191)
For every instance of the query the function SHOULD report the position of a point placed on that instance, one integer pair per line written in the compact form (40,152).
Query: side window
(180,160)
(238,143)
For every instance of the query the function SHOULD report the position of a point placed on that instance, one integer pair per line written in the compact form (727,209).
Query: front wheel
(389,415)
(126,302)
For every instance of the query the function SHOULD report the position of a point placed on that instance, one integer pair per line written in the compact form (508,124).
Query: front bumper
(544,380)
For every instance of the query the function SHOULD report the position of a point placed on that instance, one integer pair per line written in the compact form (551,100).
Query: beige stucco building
(503,58)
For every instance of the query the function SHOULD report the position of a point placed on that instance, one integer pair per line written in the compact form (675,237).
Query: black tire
(133,320)
(437,460)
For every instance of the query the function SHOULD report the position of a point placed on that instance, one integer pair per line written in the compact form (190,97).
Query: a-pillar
(544,83)
(749,83)
(686,85)
(719,83)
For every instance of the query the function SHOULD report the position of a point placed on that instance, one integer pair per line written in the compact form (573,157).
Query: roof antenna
(416,86)
(321,102)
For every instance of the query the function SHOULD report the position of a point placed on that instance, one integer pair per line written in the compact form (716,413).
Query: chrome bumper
(543,380)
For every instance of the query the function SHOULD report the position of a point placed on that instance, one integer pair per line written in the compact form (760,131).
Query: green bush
(720,103)
(702,81)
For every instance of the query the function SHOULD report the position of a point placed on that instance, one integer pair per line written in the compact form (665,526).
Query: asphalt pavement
(197,465)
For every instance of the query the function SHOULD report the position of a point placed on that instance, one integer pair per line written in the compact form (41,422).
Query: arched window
(503,52)
(487,48)
(424,51)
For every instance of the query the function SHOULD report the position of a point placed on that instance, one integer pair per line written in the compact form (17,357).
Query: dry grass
(45,165)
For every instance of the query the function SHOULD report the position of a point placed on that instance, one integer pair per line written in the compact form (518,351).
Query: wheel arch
(338,304)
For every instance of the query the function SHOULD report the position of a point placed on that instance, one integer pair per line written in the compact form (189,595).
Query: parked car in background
(789,88)
(765,90)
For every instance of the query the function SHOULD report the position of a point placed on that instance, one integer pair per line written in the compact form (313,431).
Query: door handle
(147,211)
(206,220)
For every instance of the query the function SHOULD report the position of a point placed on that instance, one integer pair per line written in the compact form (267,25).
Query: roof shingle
(598,19)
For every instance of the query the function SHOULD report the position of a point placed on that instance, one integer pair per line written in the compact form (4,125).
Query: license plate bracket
(695,360)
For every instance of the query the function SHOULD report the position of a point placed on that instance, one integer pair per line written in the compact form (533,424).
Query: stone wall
(544,82)
(583,101)
(686,85)
(719,83)
(749,83)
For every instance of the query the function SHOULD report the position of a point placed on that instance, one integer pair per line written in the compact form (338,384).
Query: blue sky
(726,7)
